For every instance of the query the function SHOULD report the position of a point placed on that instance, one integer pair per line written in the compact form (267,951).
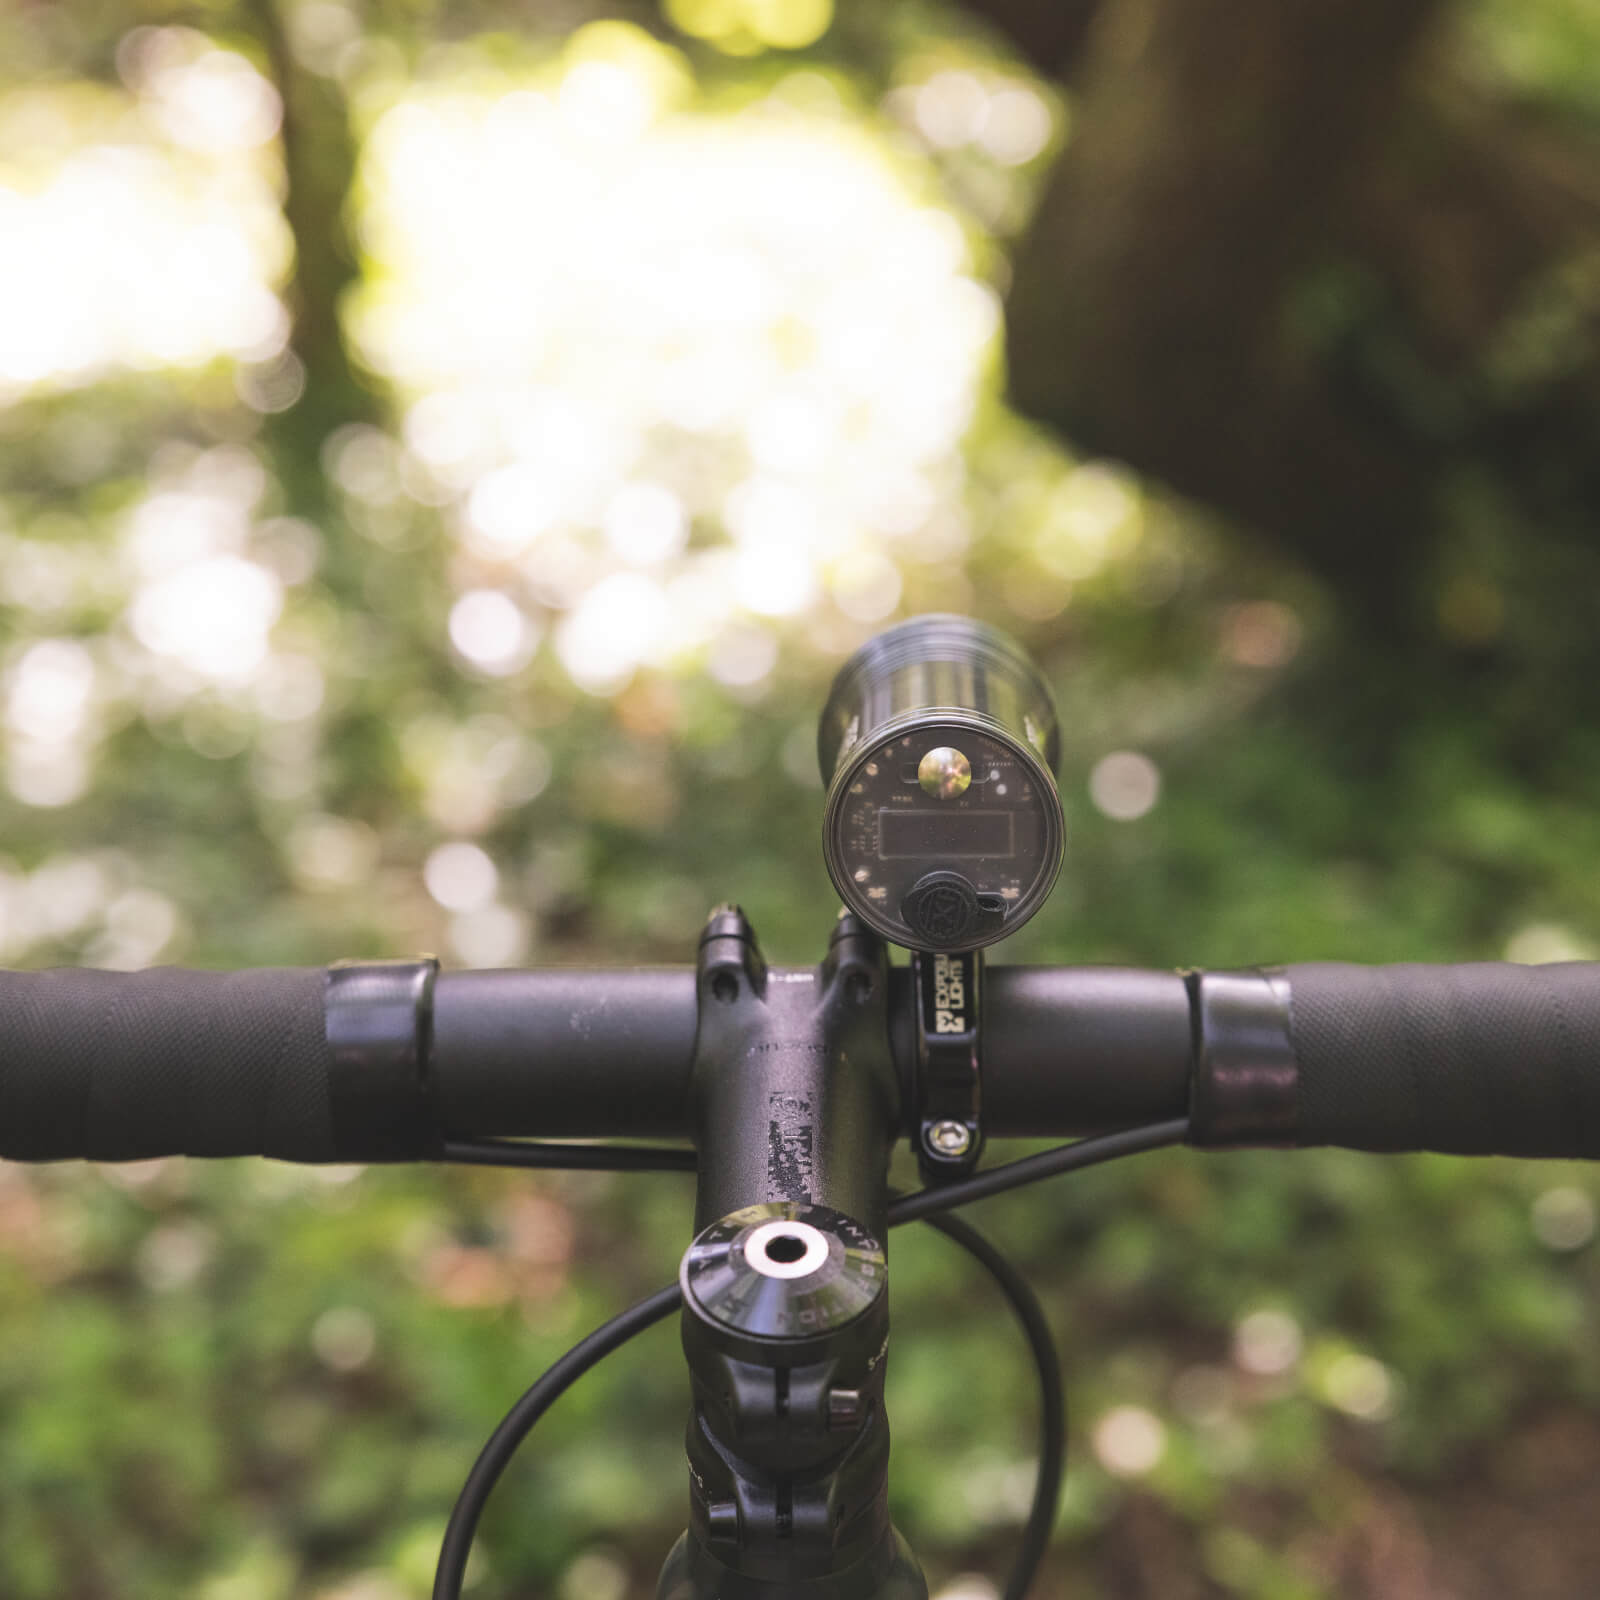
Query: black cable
(681,1158)
(1064,1158)
(503,1442)
(571,1157)
(925,1204)
(1052,1400)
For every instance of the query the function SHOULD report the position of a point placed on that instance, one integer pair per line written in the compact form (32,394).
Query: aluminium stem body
(795,1094)
(796,1110)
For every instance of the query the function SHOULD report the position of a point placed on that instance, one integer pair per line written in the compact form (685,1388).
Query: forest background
(444,454)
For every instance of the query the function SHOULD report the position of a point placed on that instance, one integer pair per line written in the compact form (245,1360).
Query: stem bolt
(844,1410)
(948,1139)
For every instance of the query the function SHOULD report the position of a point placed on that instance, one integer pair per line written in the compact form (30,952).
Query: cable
(503,1442)
(681,1158)
(924,1205)
(572,1157)
(1064,1158)
(1052,1400)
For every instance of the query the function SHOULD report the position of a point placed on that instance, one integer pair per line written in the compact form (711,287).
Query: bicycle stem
(796,1107)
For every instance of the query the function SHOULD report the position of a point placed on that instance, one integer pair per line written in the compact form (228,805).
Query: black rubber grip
(1480,1059)
(118,1066)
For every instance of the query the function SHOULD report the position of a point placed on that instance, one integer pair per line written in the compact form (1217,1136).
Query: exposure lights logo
(949,994)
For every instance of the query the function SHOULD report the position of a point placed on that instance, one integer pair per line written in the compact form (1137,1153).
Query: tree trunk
(1168,306)
(319,160)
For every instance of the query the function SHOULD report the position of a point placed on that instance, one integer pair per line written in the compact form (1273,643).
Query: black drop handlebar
(390,1061)
(786,1089)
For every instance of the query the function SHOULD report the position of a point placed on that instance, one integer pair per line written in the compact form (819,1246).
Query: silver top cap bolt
(949,1139)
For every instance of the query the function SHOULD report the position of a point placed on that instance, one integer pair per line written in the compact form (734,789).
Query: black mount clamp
(1245,1086)
(379,1029)
(949,1102)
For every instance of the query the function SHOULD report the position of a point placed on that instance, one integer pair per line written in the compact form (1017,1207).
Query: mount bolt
(948,1139)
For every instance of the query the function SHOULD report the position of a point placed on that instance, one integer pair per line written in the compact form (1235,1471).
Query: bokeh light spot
(1542,942)
(490,936)
(212,615)
(617,626)
(1360,1386)
(741,27)
(1129,1441)
(1125,785)
(866,585)
(646,524)
(331,853)
(951,108)
(1564,1218)
(1261,633)
(460,876)
(743,655)
(50,689)
(137,248)
(344,1338)
(1267,1343)
(492,632)
(968,1586)
(595,1575)
(766,285)
(1017,127)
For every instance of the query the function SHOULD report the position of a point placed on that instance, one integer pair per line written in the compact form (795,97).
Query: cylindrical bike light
(938,746)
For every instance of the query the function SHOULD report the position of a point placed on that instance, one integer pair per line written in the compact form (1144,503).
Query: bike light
(938,746)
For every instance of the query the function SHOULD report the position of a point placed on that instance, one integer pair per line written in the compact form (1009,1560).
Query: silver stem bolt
(948,1139)
(844,1410)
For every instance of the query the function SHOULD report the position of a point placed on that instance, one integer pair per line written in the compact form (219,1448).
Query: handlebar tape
(1487,1058)
(361,1061)
(119,1066)
(310,1064)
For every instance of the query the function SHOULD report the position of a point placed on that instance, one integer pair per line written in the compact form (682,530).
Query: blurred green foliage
(249,1382)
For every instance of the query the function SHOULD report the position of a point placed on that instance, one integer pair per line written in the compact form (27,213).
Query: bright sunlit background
(674,377)
(476,592)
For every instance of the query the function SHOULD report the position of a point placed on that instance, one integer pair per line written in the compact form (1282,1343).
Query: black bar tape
(120,1066)
(1480,1059)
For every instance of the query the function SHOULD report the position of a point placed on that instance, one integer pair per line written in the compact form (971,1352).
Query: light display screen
(945,834)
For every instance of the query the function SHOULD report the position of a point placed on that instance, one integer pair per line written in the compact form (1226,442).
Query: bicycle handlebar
(120,1066)
(1481,1059)
(351,1063)
(387,1061)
